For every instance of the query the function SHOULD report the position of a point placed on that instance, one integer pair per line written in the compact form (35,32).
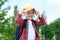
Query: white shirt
(31,31)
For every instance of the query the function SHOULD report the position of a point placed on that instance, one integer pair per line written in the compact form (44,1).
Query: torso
(31,31)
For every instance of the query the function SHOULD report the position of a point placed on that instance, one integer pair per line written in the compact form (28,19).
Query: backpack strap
(17,33)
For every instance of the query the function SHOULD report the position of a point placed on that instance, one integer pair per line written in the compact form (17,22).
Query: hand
(21,12)
(37,13)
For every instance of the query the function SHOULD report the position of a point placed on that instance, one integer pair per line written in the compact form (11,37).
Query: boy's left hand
(38,13)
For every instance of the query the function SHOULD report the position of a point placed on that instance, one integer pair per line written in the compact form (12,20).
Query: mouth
(30,16)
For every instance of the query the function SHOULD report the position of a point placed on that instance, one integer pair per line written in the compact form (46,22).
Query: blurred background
(50,9)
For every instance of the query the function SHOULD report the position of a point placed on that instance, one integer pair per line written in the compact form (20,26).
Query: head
(29,11)
(30,14)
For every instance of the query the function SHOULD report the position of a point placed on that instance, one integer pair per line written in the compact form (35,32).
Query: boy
(28,32)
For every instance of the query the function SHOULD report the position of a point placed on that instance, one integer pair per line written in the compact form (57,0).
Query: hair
(34,10)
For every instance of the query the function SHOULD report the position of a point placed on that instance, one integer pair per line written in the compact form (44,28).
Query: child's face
(29,14)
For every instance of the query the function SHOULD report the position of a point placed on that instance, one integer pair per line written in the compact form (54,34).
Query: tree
(52,30)
(4,23)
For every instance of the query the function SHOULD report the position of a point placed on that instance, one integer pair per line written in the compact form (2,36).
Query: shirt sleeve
(18,19)
(41,22)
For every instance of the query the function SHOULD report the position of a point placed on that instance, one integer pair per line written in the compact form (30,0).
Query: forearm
(18,19)
(42,20)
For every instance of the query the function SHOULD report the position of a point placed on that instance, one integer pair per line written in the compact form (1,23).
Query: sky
(51,7)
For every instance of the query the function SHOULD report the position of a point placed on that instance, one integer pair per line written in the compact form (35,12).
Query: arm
(18,19)
(42,20)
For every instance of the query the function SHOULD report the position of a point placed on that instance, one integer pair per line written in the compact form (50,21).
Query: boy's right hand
(21,12)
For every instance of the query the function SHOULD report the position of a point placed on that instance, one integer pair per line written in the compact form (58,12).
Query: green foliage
(8,25)
(2,3)
(53,29)
(16,10)
(48,34)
